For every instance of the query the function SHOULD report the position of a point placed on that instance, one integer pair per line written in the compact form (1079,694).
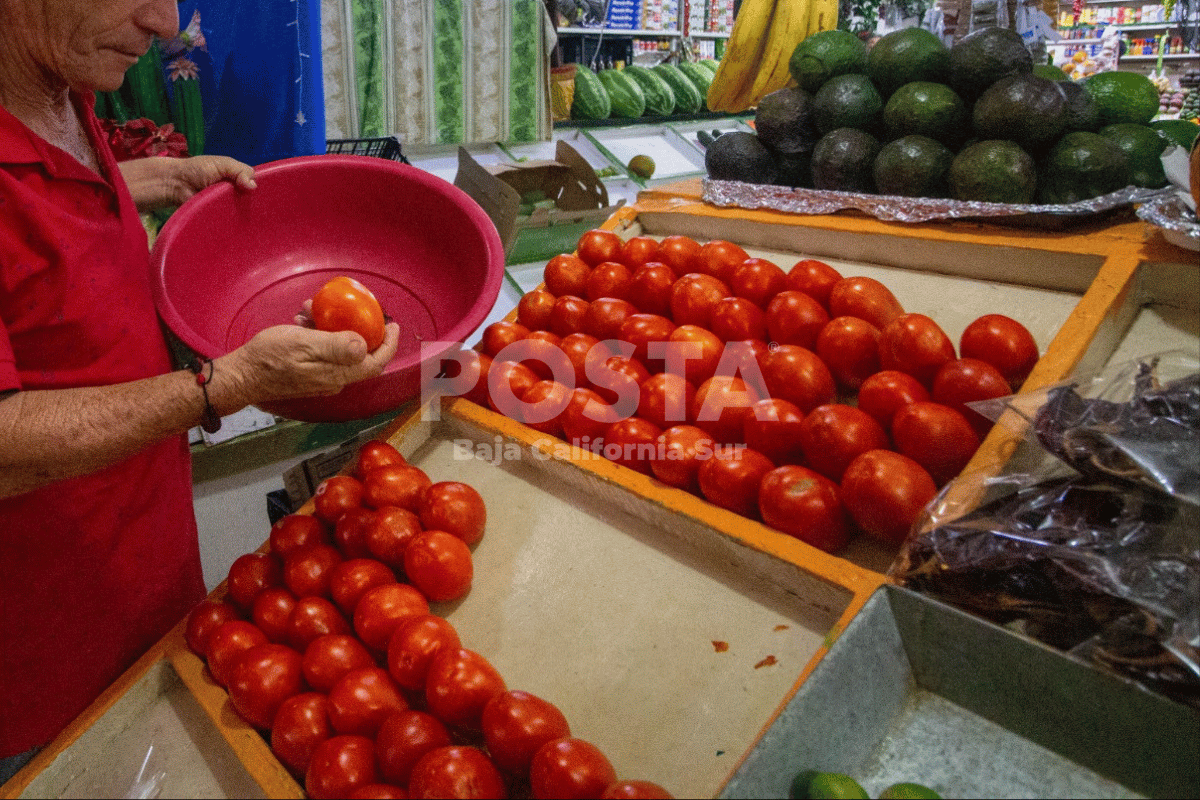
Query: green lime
(1123,97)
(908,791)
(835,786)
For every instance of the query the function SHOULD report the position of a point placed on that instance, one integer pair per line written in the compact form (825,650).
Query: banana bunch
(765,33)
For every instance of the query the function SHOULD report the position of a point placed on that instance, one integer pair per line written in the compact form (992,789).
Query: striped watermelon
(660,99)
(591,98)
(687,96)
(628,99)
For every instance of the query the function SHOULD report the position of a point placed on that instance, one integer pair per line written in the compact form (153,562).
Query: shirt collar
(20,145)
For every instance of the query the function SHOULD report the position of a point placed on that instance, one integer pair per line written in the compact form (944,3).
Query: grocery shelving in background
(1155,39)
(644,31)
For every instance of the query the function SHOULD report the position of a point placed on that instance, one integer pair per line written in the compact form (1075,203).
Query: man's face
(89,44)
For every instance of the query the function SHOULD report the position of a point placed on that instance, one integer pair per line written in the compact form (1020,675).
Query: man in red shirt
(98,549)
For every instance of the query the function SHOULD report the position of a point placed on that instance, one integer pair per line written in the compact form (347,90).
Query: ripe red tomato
(459,683)
(694,296)
(833,435)
(473,374)
(814,278)
(804,504)
(865,298)
(639,250)
(344,304)
(414,644)
(261,678)
(206,617)
(362,699)
(735,319)
(608,279)
(570,768)
(605,315)
(682,448)
(387,537)
(271,612)
(599,245)
(328,658)
(308,572)
(631,443)
(250,574)
(968,380)
(635,790)
(403,738)
(456,771)
(541,352)
(508,381)
(757,280)
(569,315)
(935,436)
(350,531)
(884,393)
(227,642)
(456,508)
(300,724)
(501,334)
(440,565)
(795,318)
(339,765)
(720,407)
(730,479)
(312,618)
(915,344)
(382,609)
(582,350)
(720,258)
(797,375)
(586,418)
(379,791)
(375,453)
(400,485)
(642,329)
(617,380)
(773,428)
(703,357)
(515,726)
(680,253)
(350,579)
(296,532)
(335,495)
(1002,342)
(650,288)
(849,346)
(665,399)
(533,309)
(543,405)
(885,493)
(566,274)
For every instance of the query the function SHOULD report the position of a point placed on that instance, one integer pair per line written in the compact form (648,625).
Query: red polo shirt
(95,569)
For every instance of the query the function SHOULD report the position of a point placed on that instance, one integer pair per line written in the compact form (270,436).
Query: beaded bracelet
(210,420)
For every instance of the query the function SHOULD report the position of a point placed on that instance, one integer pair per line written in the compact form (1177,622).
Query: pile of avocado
(975,121)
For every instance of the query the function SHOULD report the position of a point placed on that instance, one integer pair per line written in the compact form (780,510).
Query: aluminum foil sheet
(1177,221)
(736,194)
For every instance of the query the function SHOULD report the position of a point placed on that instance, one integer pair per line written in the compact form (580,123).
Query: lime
(825,54)
(835,786)
(1123,97)
(907,791)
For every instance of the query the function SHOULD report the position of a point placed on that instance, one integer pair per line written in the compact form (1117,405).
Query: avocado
(1082,165)
(1029,110)
(848,101)
(844,161)
(819,57)
(913,166)
(785,121)
(740,156)
(993,171)
(794,169)
(1082,114)
(928,109)
(985,56)
(1143,147)
(906,55)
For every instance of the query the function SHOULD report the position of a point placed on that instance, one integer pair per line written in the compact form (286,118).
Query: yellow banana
(789,26)
(735,71)
(823,17)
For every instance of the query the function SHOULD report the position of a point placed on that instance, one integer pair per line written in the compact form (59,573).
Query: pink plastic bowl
(230,263)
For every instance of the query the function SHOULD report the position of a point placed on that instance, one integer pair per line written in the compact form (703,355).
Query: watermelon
(711,63)
(628,99)
(687,96)
(591,98)
(698,75)
(660,99)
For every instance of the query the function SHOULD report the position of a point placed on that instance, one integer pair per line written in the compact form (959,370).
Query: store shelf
(1165,57)
(709,34)
(634,32)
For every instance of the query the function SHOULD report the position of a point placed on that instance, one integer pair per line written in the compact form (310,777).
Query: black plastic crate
(379,147)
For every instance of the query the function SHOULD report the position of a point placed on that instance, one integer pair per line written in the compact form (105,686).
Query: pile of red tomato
(861,411)
(326,643)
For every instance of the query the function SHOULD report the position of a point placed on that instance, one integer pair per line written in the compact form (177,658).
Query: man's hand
(160,182)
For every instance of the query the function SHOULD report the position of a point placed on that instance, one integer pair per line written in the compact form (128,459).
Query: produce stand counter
(690,628)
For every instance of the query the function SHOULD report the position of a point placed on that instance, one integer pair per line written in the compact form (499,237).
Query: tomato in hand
(400,485)
(440,565)
(608,279)
(307,573)
(387,537)
(639,250)
(694,296)
(884,393)
(630,442)
(501,334)
(730,479)
(720,258)
(403,738)
(335,495)
(833,435)
(795,318)
(344,304)
(456,508)
(680,253)
(459,683)
(804,504)
(456,771)
(515,726)
(414,644)
(885,493)
(312,618)
(849,346)
(296,532)
(271,612)
(250,574)
(382,609)
(533,309)
(261,678)
(865,298)
(757,280)
(665,399)
(598,245)
(773,428)
(915,344)
(720,407)
(1002,342)
(681,450)
(815,278)
(206,617)
(635,790)
(650,288)
(300,724)
(935,436)
(328,658)
(735,319)
(797,375)
(362,699)
(969,380)
(227,643)
(351,579)
(339,765)
(566,274)
(570,768)
(350,531)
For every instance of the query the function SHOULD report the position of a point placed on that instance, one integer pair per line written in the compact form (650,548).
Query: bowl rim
(467,324)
